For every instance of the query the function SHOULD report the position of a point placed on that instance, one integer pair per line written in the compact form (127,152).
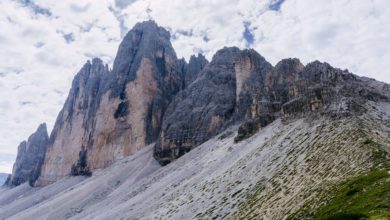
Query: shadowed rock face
(30,158)
(194,67)
(209,103)
(111,114)
(292,91)
(320,88)
(241,87)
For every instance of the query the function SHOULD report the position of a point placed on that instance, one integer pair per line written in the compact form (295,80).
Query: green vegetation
(363,197)
(380,157)
(368,141)
(248,206)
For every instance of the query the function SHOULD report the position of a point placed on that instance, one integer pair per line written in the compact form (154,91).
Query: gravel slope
(272,174)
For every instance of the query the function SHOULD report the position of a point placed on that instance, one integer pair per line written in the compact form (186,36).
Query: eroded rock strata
(248,90)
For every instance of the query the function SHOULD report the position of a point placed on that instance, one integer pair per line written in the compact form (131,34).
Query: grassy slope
(362,197)
(341,150)
(366,196)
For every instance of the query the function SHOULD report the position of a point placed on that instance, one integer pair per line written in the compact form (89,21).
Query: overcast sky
(44,43)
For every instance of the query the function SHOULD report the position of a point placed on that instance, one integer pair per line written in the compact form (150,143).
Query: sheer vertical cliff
(112,114)
(209,103)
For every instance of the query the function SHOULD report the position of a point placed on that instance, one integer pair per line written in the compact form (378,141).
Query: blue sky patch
(35,8)
(69,38)
(123,3)
(248,35)
(275,5)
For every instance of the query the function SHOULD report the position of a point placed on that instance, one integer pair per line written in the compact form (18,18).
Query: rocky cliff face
(112,114)
(191,70)
(209,103)
(241,87)
(320,88)
(151,96)
(293,91)
(30,158)
(281,170)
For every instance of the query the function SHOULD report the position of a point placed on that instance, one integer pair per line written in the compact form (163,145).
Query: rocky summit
(111,114)
(157,137)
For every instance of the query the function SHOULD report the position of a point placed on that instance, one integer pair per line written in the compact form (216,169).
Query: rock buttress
(292,90)
(209,103)
(112,114)
(29,159)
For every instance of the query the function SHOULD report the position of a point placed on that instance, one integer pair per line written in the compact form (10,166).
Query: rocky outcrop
(254,94)
(111,114)
(195,65)
(74,125)
(321,88)
(209,103)
(29,158)
(292,91)
(151,96)
(265,97)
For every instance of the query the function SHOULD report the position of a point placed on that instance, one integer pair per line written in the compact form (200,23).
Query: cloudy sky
(43,43)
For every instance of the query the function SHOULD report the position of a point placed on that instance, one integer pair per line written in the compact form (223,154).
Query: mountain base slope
(284,168)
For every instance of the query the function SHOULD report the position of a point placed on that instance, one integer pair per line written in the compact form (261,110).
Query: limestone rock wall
(194,67)
(30,158)
(209,103)
(150,95)
(112,114)
(73,129)
(241,87)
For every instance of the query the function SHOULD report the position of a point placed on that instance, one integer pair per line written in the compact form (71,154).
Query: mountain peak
(283,130)
(30,158)
(42,128)
(110,116)
(151,26)
(145,40)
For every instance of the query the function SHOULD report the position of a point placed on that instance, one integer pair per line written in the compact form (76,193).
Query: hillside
(281,170)
(156,137)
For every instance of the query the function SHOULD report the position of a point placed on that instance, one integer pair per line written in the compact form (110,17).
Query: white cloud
(41,52)
(38,64)
(347,34)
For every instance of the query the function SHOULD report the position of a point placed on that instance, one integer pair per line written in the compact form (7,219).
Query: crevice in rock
(81,167)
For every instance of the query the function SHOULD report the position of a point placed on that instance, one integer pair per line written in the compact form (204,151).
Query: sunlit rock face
(30,158)
(111,114)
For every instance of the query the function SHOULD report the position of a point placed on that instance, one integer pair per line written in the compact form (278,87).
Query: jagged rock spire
(30,158)
(111,114)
